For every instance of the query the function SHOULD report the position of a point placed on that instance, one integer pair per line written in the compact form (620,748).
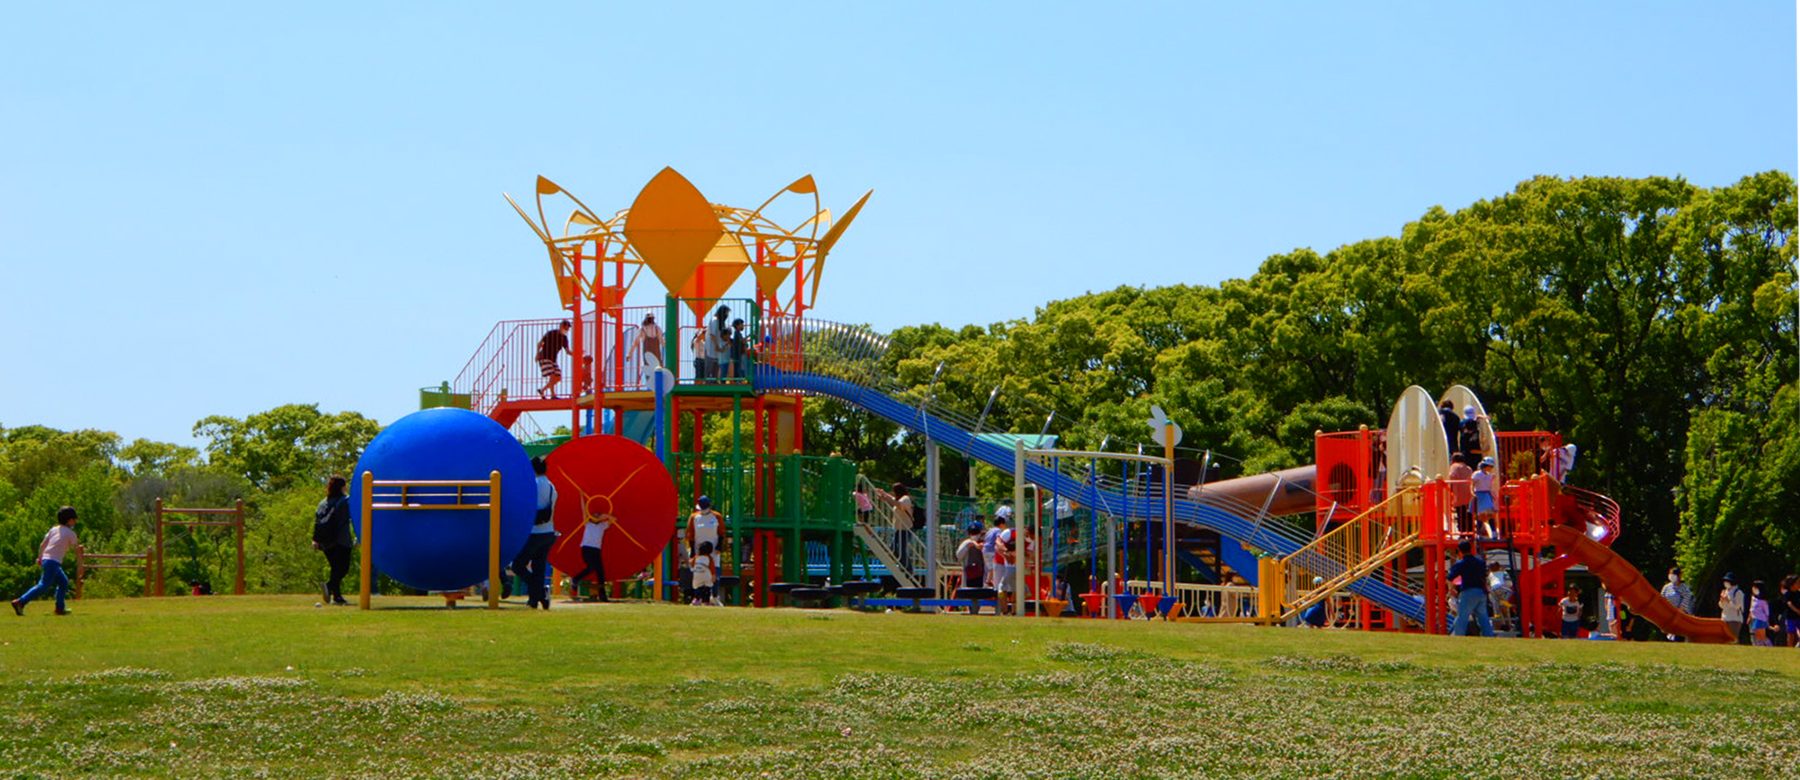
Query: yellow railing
(1351,551)
(1205,601)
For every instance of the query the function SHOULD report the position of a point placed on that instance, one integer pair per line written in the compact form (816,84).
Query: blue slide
(1221,521)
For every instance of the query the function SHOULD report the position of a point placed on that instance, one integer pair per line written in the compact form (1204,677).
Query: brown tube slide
(1629,586)
(1293,490)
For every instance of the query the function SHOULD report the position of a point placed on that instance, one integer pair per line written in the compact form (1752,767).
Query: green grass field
(271,686)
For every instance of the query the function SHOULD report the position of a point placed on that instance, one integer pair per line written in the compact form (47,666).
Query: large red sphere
(597,475)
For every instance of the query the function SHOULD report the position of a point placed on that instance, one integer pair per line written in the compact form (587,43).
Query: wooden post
(81,566)
(158,516)
(240,546)
(493,589)
(368,541)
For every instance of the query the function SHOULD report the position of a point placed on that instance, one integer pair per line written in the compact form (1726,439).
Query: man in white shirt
(704,525)
(57,543)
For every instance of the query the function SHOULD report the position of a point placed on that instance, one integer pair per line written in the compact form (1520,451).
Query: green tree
(285,446)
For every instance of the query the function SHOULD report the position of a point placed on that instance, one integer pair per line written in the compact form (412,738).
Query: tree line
(1650,321)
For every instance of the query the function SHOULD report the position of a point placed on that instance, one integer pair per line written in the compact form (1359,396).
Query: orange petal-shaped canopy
(672,227)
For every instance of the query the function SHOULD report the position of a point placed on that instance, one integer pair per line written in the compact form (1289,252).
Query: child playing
(56,544)
(864,505)
(1571,613)
(592,532)
(1759,615)
(703,565)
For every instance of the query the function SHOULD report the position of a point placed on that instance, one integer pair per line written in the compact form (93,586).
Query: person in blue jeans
(57,543)
(1470,574)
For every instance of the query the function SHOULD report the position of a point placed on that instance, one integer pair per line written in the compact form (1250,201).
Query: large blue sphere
(445,549)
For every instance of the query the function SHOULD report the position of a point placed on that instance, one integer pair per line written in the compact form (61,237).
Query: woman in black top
(331,535)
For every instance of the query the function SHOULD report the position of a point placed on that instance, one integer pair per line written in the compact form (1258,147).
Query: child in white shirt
(592,532)
(704,565)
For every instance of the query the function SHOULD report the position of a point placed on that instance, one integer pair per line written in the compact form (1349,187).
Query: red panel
(612,475)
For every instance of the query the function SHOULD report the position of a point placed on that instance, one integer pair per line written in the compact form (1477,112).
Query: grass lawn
(271,686)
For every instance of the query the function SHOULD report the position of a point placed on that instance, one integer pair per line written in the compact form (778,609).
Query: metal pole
(493,589)
(368,540)
(1019,504)
(931,512)
(1168,509)
(159,545)
(240,546)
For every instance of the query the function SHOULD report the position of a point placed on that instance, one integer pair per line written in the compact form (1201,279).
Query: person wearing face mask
(1679,595)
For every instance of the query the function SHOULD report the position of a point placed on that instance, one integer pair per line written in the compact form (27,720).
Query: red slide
(1630,587)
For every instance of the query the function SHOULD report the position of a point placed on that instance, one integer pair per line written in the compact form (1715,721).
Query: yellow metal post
(1168,577)
(1271,582)
(494,539)
(368,541)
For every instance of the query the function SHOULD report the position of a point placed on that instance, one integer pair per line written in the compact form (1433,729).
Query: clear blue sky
(223,209)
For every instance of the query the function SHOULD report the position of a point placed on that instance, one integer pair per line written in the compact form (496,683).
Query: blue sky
(220,209)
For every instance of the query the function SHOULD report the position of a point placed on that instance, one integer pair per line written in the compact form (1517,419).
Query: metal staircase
(1353,551)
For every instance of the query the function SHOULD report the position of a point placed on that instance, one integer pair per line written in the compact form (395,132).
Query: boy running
(56,544)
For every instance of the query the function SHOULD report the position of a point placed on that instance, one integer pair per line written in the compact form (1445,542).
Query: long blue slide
(947,434)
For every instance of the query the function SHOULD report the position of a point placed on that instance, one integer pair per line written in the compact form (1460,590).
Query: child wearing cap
(1483,482)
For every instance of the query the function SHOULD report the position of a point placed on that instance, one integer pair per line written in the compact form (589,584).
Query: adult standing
(1468,435)
(533,561)
(332,536)
(904,523)
(718,343)
(56,544)
(740,350)
(1002,516)
(1790,609)
(1678,594)
(704,525)
(1731,605)
(1470,576)
(1452,424)
(650,343)
(1462,492)
(553,343)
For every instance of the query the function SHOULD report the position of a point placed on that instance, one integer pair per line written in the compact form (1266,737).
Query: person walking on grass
(1790,608)
(1759,614)
(553,344)
(1470,576)
(57,543)
(1680,595)
(532,564)
(593,532)
(332,536)
(1731,605)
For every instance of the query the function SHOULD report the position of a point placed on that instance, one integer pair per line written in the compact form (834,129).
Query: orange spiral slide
(1629,586)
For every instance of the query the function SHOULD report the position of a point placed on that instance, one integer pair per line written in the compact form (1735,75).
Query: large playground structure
(1368,529)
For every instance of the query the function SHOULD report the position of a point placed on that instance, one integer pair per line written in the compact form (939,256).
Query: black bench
(859,590)
(916,595)
(809,597)
(975,596)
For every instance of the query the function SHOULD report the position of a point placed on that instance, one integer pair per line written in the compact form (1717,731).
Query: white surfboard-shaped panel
(1415,439)
(1461,398)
